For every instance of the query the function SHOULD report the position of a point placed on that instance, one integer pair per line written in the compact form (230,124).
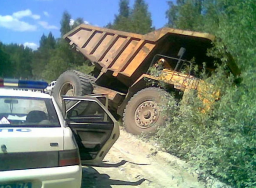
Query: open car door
(93,126)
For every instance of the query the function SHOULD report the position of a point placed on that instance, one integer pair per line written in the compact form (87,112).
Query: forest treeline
(219,142)
(231,21)
(54,56)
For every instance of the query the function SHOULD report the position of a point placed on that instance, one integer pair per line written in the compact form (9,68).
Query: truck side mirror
(181,52)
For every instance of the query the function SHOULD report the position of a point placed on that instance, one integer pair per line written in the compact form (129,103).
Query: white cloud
(15,24)
(47,26)
(25,13)
(71,22)
(14,21)
(46,13)
(31,45)
(35,16)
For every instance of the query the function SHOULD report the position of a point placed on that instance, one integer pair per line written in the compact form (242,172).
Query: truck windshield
(27,112)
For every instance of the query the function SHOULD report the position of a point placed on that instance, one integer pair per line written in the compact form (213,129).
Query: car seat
(36,116)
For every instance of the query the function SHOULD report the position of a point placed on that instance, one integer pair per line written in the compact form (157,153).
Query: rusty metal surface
(123,52)
(112,95)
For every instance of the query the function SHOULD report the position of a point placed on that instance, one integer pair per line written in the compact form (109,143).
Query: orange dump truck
(122,69)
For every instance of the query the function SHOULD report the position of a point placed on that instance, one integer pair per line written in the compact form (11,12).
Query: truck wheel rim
(67,89)
(146,114)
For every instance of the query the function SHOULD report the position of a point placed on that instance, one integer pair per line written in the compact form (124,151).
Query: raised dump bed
(129,54)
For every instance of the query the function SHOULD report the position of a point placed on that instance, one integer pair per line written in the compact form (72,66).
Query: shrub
(220,141)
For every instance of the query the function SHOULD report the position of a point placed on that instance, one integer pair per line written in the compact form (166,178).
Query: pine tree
(186,14)
(122,20)
(124,9)
(42,56)
(65,23)
(19,60)
(171,14)
(51,42)
(43,42)
(6,68)
(141,21)
(77,22)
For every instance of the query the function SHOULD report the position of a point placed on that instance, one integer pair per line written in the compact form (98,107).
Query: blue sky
(25,21)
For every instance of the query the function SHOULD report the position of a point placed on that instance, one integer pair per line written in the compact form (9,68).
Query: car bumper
(57,177)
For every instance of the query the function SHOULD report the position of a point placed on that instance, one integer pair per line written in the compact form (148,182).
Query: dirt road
(134,163)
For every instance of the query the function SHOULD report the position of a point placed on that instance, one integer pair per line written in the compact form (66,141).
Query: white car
(43,146)
(50,87)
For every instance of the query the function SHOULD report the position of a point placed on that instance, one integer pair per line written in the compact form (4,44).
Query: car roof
(19,93)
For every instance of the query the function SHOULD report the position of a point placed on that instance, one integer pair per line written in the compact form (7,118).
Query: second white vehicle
(50,87)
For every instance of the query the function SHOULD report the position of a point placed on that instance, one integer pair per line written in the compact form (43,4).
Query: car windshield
(31,112)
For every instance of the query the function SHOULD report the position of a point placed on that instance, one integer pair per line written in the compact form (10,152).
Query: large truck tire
(72,83)
(143,113)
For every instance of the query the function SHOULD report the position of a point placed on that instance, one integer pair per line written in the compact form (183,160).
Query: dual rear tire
(144,112)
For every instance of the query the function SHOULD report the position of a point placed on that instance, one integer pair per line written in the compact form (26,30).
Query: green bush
(221,141)
(85,68)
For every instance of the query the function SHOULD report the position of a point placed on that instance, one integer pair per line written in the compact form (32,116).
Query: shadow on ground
(93,179)
(103,164)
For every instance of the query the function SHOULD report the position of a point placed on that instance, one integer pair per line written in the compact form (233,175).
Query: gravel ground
(134,163)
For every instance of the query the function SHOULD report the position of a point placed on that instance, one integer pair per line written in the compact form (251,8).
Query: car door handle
(54,144)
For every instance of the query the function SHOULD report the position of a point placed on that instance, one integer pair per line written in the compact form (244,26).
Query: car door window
(94,128)
(87,111)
